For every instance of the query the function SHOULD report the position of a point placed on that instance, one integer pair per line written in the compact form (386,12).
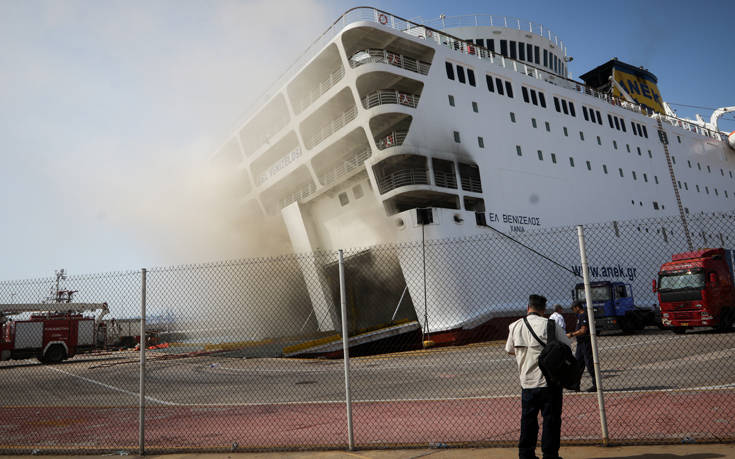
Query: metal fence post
(593,334)
(345,349)
(141,402)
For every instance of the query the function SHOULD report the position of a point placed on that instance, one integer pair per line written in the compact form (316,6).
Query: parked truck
(53,331)
(697,289)
(614,306)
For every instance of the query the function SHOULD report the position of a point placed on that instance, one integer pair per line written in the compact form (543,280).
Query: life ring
(383,19)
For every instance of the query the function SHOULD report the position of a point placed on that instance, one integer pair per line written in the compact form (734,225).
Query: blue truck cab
(614,306)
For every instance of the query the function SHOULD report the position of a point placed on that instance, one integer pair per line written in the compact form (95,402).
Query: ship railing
(348,165)
(445,179)
(382,56)
(292,156)
(297,195)
(334,77)
(390,96)
(471,184)
(402,177)
(332,127)
(393,139)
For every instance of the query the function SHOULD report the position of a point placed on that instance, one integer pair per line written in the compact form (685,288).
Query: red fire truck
(53,332)
(697,289)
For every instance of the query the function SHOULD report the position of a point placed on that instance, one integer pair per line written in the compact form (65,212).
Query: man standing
(536,394)
(584,342)
(558,318)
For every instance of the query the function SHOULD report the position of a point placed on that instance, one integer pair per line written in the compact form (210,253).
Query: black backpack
(556,361)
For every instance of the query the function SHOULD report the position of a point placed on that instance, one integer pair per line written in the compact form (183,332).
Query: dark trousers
(584,354)
(547,400)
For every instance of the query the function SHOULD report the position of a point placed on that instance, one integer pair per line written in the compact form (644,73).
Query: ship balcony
(471,184)
(319,89)
(402,177)
(345,166)
(390,96)
(331,127)
(382,56)
(280,164)
(393,139)
(297,195)
(469,177)
(342,158)
(264,126)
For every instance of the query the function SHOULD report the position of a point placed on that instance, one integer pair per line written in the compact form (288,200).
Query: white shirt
(559,319)
(527,349)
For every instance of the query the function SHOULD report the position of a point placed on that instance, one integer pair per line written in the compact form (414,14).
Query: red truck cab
(697,289)
(50,337)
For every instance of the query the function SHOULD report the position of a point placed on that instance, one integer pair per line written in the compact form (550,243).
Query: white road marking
(136,394)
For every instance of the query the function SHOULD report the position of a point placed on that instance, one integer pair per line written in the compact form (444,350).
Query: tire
(679,330)
(726,319)
(54,354)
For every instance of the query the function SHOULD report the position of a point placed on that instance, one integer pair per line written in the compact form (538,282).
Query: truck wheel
(679,330)
(54,354)
(726,319)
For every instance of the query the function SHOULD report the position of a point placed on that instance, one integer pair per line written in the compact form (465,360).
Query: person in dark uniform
(583,353)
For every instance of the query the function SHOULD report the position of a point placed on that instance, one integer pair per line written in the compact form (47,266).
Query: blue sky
(108,110)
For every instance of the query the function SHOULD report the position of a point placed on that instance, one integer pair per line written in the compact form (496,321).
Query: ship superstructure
(392,130)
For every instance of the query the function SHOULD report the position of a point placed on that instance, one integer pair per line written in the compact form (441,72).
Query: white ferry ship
(391,130)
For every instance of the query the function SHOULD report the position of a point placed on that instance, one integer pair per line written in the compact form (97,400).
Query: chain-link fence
(247,355)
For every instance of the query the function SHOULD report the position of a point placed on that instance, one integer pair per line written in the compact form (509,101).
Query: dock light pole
(345,349)
(593,334)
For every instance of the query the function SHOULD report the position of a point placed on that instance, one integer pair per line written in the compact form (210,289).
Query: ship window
(529,51)
(584,113)
(722,172)
(533,122)
(716,193)
(617,123)
(471,77)
(513,54)
(542,99)
(627,147)
(553,158)
(726,193)
(678,138)
(481,142)
(581,135)
(564,107)
(460,74)
(645,132)
(571,162)
(655,205)
(622,124)
(480,41)
(639,150)
(489,81)
(686,186)
(534,100)
(475,107)
(536,55)
(524,92)
(709,170)
(615,144)
(673,159)
(699,166)
(450,70)
(599,141)
(635,128)
(645,178)
(620,171)
(599,118)
(609,120)
(689,163)
(604,168)
(504,47)
(513,117)
(556,104)
(456,136)
(540,156)
(571,109)
(518,150)
(491,44)
(357,191)
(730,172)
(655,179)
(343,199)
(546,58)
(634,177)
(521,51)
(706,188)
(566,132)
(555,64)
(451,100)
(548,126)
(589,166)
(499,85)
(509,89)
